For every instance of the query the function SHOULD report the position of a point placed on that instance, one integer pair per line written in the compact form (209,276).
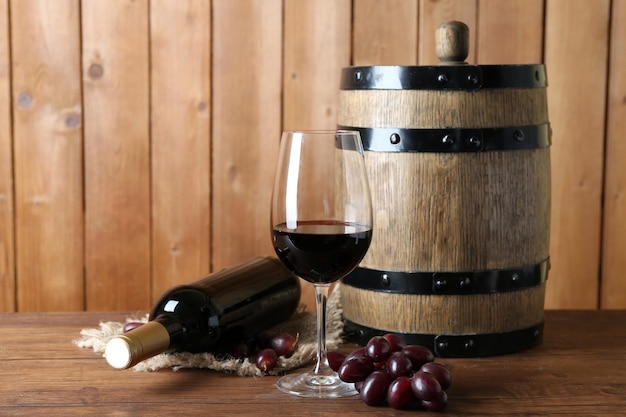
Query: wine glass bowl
(321,251)
(321,218)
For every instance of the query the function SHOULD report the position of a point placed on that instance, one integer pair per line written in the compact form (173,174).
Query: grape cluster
(387,370)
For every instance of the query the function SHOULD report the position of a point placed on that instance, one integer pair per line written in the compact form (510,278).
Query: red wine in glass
(321,251)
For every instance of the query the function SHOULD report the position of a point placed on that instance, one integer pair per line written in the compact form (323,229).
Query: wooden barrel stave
(451,314)
(451,212)
(443,109)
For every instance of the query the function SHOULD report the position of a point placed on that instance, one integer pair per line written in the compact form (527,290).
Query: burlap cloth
(302,322)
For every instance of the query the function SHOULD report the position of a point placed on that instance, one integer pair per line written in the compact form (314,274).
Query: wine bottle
(223,308)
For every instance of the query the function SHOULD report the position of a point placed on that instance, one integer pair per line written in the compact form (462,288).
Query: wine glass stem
(321,297)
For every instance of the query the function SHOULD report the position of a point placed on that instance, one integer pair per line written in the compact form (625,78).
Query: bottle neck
(126,350)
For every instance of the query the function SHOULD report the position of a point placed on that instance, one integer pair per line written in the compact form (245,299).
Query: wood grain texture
(464,212)
(180,39)
(510,32)
(246,127)
(613,283)
(316,47)
(384,35)
(44,374)
(274,65)
(7,243)
(449,314)
(434,12)
(419,109)
(48,155)
(117,154)
(577,115)
(452,43)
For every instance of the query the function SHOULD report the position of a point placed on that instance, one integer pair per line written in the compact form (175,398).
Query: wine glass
(321,219)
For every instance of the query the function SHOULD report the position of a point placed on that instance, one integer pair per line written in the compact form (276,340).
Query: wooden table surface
(579,369)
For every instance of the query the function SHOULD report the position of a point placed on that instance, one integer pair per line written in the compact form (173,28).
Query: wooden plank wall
(613,260)
(138,138)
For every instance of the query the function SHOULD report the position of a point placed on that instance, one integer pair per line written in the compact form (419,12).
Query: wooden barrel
(459,166)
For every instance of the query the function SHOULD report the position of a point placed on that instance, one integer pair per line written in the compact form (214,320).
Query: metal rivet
(466,282)
(447,140)
(362,336)
(441,283)
(515,279)
(442,78)
(385,280)
(358,76)
(518,136)
(472,79)
(469,344)
(474,141)
(394,138)
(442,345)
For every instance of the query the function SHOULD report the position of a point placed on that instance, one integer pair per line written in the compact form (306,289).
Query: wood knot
(95,71)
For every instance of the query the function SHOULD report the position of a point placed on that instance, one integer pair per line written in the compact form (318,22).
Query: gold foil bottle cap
(127,350)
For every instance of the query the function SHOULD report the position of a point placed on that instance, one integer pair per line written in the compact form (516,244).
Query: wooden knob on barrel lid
(452,43)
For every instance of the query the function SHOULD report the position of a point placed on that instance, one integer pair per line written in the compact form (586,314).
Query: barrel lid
(452,45)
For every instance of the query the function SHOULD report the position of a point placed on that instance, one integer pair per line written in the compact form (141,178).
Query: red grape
(436,405)
(335,359)
(284,344)
(399,365)
(266,359)
(425,386)
(419,355)
(440,373)
(355,369)
(131,325)
(358,353)
(395,342)
(375,387)
(358,385)
(400,393)
(378,349)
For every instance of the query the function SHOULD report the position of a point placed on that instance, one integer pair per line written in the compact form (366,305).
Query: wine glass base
(315,386)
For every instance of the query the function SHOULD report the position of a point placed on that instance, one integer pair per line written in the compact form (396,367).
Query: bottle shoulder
(182,300)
